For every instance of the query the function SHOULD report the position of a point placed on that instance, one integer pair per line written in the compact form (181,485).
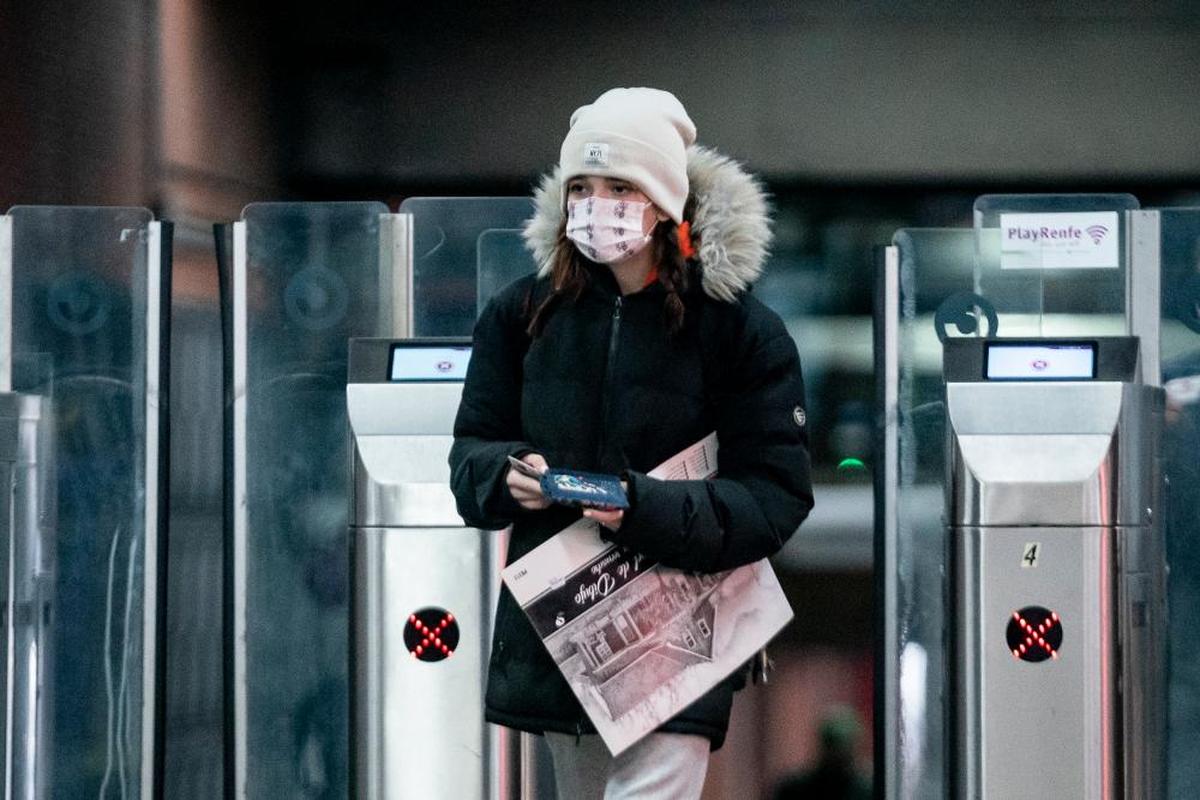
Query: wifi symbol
(1097,232)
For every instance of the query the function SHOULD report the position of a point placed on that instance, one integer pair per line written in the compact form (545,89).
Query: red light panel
(1034,634)
(431,634)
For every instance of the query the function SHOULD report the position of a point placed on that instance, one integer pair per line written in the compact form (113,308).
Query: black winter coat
(605,389)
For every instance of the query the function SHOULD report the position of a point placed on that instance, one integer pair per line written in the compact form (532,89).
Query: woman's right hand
(526,490)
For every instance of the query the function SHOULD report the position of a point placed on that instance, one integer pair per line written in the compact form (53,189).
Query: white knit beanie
(640,135)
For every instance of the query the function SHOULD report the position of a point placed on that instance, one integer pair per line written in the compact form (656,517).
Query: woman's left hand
(609,518)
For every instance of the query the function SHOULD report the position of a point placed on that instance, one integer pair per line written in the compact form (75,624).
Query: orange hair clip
(683,234)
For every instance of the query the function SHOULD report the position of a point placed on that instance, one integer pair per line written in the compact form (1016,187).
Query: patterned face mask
(607,230)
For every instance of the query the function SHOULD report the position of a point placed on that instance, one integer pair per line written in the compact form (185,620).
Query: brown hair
(569,277)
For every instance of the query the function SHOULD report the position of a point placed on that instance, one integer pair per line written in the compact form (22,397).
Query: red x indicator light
(431,634)
(1034,634)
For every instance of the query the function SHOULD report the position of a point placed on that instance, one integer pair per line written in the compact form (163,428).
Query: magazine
(638,642)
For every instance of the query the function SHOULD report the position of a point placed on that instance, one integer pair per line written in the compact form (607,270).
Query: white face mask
(607,230)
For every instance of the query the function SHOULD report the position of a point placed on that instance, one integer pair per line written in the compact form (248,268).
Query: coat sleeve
(763,490)
(487,428)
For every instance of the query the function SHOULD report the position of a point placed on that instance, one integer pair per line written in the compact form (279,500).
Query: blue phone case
(589,489)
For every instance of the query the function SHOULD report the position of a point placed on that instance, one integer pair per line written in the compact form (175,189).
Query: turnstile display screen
(423,362)
(1041,362)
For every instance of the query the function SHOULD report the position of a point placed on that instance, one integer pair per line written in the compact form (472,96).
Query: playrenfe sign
(1044,232)
(1068,240)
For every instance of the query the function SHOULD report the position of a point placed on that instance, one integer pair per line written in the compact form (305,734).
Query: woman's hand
(527,491)
(609,518)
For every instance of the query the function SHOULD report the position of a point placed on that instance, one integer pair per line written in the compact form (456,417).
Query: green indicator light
(851,465)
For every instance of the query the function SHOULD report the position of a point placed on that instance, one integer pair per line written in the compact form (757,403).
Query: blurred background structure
(862,117)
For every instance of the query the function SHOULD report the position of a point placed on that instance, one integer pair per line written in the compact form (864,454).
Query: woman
(636,338)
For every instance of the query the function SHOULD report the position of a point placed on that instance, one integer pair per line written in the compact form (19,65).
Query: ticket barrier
(424,585)
(1057,569)
(25,524)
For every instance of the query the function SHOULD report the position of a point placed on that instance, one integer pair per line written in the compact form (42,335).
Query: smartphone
(587,489)
(525,468)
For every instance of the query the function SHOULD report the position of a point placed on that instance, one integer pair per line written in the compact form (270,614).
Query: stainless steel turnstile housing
(26,525)
(1057,650)
(424,584)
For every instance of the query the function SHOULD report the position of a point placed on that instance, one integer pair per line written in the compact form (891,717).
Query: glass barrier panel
(502,260)
(1053,265)
(936,301)
(446,233)
(79,338)
(1180,258)
(318,274)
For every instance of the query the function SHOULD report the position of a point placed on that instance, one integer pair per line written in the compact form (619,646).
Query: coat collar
(730,223)
(602,280)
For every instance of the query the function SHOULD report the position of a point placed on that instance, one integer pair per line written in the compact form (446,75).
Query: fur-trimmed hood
(730,225)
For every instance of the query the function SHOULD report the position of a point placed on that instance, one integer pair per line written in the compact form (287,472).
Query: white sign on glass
(1061,240)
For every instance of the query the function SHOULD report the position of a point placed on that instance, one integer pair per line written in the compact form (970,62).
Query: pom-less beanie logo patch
(799,416)
(595,154)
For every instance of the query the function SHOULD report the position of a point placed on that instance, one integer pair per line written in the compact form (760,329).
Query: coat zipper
(609,366)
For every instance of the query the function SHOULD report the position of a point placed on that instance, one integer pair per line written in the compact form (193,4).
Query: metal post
(887,476)
(9,447)
(1143,288)
(152,735)
(24,518)
(6,285)
(402,275)
(238,488)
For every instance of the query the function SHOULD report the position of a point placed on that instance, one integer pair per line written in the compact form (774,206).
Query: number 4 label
(1029,557)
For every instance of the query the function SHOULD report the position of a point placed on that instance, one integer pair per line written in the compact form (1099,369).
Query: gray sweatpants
(670,766)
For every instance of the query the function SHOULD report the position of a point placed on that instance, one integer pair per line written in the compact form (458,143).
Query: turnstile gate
(1022,622)
(424,585)
(26,526)
(1057,569)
